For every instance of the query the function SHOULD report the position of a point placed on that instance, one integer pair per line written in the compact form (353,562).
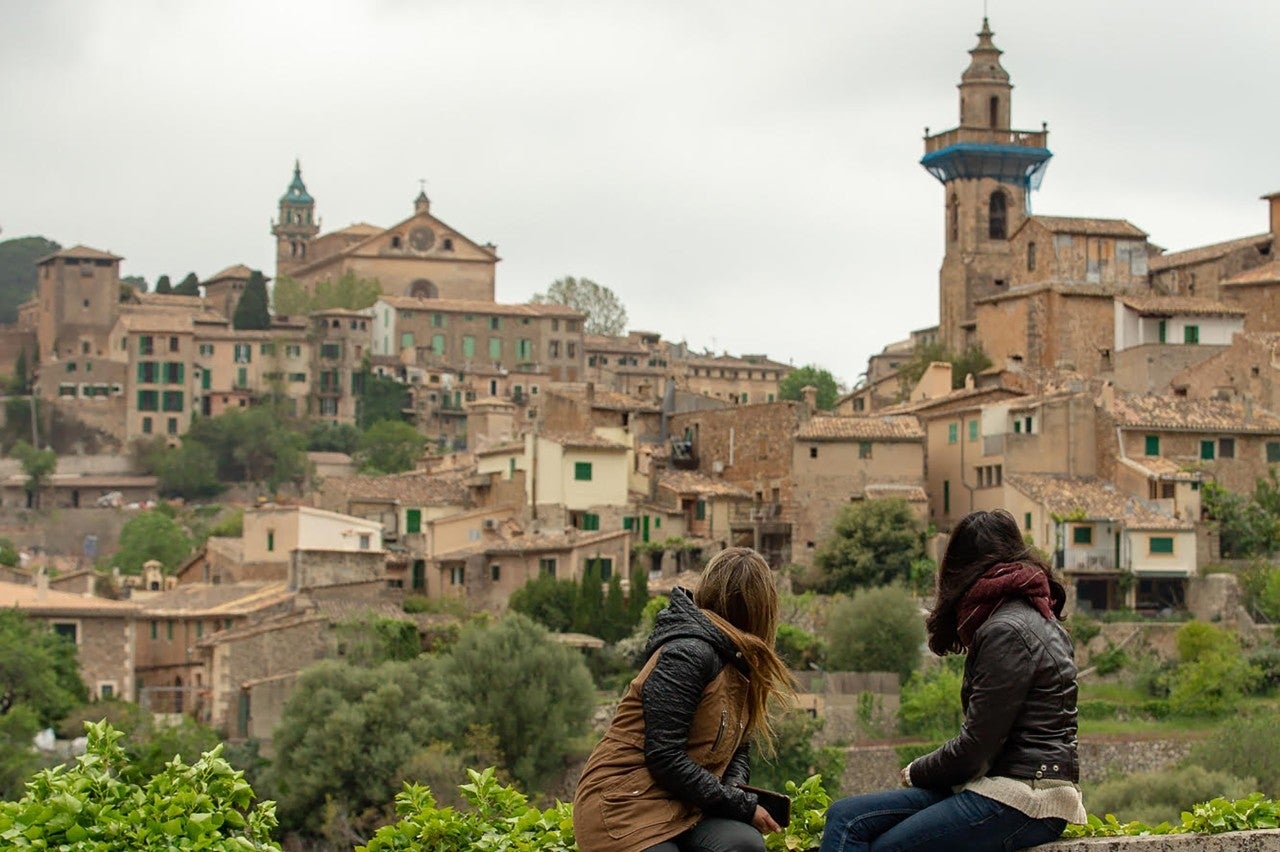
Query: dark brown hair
(738,594)
(980,541)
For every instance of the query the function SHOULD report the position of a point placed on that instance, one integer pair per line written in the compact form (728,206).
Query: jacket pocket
(724,721)
(636,803)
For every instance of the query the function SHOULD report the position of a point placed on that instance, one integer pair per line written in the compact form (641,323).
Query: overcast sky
(743,174)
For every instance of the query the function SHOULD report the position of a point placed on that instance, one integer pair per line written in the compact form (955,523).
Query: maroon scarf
(1000,583)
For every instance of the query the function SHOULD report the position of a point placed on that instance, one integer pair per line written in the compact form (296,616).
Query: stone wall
(1242,841)
(62,532)
(877,767)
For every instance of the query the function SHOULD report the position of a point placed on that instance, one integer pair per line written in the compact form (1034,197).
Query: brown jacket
(619,806)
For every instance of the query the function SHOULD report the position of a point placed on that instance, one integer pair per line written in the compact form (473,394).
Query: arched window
(995,111)
(997,211)
(953,217)
(1031,257)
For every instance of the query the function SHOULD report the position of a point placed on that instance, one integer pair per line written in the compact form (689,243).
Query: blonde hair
(738,594)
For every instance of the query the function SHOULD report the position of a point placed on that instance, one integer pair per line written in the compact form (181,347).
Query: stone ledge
(1240,841)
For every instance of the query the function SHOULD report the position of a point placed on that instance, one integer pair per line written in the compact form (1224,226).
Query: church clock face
(421,239)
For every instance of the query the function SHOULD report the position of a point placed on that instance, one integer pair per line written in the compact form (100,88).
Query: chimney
(1273,200)
(42,584)
(591,393)
(1107,397)
(810,396)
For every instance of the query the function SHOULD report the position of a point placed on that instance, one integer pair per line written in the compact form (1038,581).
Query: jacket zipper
(724,718)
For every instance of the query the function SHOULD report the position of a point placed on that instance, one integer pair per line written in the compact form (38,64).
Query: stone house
(836,460)
(637,364)
(1111,253)
(1156,337)
(103,632)
(1113,550)
(1229,442)
(1257,293)
(1248,369)
(749,379)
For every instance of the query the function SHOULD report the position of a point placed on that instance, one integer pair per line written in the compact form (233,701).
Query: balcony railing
(986,136)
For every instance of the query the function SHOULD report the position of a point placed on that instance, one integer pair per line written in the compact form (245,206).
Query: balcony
(1090,563)
(986,136)
(767,517)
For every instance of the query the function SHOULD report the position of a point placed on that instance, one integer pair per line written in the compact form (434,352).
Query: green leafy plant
(1217,816)
(89,807)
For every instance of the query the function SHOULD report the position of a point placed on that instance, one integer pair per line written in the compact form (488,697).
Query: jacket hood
(683,620)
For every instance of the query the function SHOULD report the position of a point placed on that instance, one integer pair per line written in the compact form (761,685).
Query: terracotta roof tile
(32,599)
(542,542)
(237,272)
(1181,306)
(583,441)
(1089,227)
(1158,467)
(80,252)
(501,448)
(1209,252)
(221,599)
(413,488)
(1191,415)
(606,400)
(691,482)
(1095,498)
(1268,273)
(604,343)
(875,428)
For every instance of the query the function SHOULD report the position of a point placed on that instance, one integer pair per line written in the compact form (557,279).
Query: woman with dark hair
(1008,779)
(668,774)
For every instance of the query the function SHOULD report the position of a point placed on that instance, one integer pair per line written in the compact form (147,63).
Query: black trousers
(715,835)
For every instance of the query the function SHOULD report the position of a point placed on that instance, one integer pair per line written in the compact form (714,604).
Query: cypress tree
(588,609)
(163,287)
(614,622)
(639,594)
(190,286)
(251,310)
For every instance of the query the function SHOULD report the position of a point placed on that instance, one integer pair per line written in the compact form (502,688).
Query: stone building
(103,632)
(1157,337)
(838,460)
(988,171)
(420,256)
(1248,369)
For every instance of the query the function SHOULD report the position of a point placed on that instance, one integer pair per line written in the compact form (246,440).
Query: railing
(986,136)
(1095,563)
(742,513)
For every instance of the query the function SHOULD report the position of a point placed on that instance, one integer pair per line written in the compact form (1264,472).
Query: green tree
(95,805)
(252,311)
(390,446)
(1246,747)
(20,381)
(930,704)
(878,630)
(38,465)
(345,732)
(254,445)
(604,310)
(795,756)
(151,535)
(349,292)
(548,601)
(380,399)
(189,471)
(190,286)
(638,594)
(873,543)
(588,606)
(369,640)
(972,361)
(534,694)
(163,286)
(799,648)
(1245,527)
(136,282)
(614,622)
(1156,797)
(797,380)
(327,437)
(39,684)
(18,272)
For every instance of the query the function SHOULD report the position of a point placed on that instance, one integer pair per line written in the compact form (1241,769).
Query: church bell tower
(987,171)
(296,226)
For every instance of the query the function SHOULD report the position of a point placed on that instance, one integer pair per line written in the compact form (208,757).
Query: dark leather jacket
(1019,699)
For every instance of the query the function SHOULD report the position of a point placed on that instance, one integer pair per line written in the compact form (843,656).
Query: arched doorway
(424,289)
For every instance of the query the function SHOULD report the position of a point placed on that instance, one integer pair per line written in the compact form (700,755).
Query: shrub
(1212,685)
(89,806)
(1246,747)
(930,703)
(795,755)
(1197,639)
(1109,661)
(1267,662)
(1155,797)
(879,630)
(798,648)
(1082,629)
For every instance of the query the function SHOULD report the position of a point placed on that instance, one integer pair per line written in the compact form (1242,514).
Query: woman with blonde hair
(667,775)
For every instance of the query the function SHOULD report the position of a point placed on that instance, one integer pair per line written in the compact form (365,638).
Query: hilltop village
(1121,378)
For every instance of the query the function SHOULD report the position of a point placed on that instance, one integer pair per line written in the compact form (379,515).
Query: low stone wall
(1241,841)
(876,767)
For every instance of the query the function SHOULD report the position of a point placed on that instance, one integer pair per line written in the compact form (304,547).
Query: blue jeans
(937,821)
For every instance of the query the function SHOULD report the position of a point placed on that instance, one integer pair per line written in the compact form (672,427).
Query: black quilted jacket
(696,651)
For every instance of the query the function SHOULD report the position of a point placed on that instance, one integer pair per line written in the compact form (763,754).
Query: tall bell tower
(987,171)
(296,226)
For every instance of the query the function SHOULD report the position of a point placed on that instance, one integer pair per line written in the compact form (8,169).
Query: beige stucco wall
(303,528)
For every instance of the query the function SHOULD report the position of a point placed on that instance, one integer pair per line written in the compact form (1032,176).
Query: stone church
(421,256)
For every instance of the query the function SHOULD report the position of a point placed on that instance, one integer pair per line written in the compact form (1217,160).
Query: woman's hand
(763,822)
